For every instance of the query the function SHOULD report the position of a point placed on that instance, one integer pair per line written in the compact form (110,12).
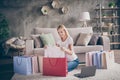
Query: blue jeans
(72,64)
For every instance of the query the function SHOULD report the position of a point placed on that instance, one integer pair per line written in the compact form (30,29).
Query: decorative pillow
(94,39)
(37,41)
(47,39)
(83,39)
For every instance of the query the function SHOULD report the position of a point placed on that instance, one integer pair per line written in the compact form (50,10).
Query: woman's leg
(72,65)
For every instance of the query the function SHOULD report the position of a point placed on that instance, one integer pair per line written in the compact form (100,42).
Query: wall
(24,15)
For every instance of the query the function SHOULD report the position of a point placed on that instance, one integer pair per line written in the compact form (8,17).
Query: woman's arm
(68,51)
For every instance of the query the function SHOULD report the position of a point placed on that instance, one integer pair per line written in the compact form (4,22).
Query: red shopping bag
(54,66)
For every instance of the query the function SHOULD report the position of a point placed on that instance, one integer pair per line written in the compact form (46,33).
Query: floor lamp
(85,16)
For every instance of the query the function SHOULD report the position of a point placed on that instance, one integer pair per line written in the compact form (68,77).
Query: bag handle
(51,61)
(19,60)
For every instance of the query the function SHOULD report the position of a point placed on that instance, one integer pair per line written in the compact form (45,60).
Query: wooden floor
(6,66)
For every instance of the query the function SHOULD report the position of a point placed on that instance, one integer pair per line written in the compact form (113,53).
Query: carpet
(113,73)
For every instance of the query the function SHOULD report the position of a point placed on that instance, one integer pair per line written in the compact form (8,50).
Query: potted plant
(45,12)
(111,4)
(104,15)
(4,31)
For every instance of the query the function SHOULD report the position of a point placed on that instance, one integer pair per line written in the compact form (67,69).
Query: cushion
(83,39)
(37,41)
(94,39)
(74,32)
(47,39)
(53,31)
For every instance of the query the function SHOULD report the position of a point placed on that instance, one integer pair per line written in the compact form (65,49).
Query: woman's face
(61,32)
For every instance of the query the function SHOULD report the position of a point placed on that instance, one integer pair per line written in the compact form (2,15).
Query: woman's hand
(67,51)
(62,48)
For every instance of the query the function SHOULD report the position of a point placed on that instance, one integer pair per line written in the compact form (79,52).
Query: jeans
(72,64)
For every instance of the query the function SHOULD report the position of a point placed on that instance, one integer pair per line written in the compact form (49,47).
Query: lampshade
(84,16)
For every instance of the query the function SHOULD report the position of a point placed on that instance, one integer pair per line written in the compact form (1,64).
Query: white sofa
(104,42)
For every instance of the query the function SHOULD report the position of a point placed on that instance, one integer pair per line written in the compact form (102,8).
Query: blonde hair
(63,27)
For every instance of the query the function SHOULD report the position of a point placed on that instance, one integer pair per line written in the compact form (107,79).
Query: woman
(66,44)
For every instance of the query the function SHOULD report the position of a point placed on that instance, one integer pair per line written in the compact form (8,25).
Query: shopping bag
(54,66)
(97,59)
(40,62)
(22,65)
(107,59)
(54,52)
(89,58)
(34,64)
(29,47)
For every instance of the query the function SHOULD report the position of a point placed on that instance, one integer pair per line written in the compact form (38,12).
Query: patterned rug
(113,73)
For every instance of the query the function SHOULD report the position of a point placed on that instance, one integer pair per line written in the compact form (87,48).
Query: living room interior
(22,18)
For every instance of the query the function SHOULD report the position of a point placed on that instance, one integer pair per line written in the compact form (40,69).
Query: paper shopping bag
(29,47)
(40,61)
(97,59)
(54,66)
(89,58)
(107,59)
(34,64)
(54,52)
(22,65)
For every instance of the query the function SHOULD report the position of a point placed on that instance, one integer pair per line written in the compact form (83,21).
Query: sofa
(103,42)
